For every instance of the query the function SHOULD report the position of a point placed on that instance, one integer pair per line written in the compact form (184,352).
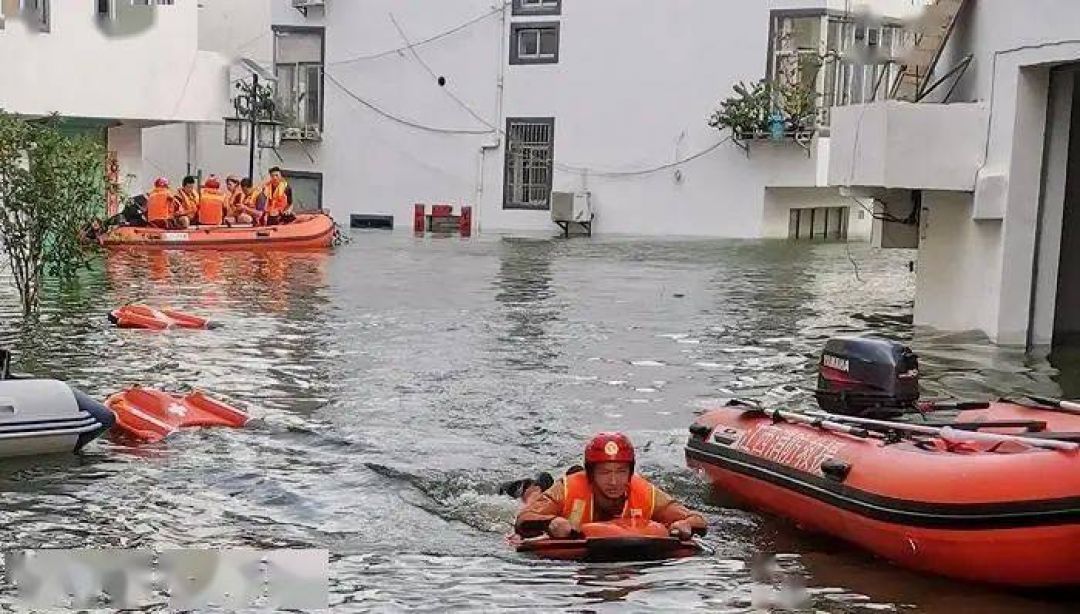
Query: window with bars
(530,149)
(533,42)
(298,65)
(819,222)
(537,7)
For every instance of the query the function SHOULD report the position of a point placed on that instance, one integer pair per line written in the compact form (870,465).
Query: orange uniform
(188,203)
(211,207)
(159,205)
(277,199)
(235,205)
(574,493)
(577,500)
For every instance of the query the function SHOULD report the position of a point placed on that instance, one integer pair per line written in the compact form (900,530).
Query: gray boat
(44,416)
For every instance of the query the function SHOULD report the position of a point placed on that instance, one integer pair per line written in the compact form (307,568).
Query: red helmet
(609,448)
(161,182)
(212,182)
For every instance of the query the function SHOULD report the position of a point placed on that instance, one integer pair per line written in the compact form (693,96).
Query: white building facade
(111,68)
(397,102)
(993,156)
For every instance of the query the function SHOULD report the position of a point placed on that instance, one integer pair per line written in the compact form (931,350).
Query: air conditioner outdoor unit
(571,207)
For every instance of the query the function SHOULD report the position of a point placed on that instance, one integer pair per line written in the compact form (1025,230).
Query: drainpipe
(192,144)
(496,141)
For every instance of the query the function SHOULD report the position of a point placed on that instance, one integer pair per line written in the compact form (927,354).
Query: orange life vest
(276,198)
(236,202)
(188,204)
(577,504)
(159,204)
(211,207)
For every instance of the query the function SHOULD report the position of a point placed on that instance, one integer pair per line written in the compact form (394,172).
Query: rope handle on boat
(950,433)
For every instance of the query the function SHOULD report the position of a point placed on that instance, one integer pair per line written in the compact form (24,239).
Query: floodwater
(398,381)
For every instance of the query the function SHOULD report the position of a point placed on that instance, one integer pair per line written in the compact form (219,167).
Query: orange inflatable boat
(147,415)
(615,540)
(143,316)
(989,493)
(307,232)
(984,509)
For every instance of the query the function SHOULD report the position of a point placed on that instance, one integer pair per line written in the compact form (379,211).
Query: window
(534,43)
(36,13)
(298,64)
(866,67)
(823,222)
(797,50)
(842,61)
(530,147)
(537,7)
(306,190)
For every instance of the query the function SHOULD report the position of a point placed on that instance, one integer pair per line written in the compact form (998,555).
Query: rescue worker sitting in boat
(160,204)
(187,203)
(236,197)
(211,209)
(279,199)
(607,489)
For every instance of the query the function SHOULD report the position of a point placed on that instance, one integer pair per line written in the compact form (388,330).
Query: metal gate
(529,149)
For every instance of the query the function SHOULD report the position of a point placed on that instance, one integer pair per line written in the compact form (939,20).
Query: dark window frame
(321,30)
(287,174)
(507,202)
(521,10)
(517,27)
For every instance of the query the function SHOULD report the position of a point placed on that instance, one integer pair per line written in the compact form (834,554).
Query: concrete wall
(959,266)
(1015,45)
(78,70)
(904,145)
(616,114)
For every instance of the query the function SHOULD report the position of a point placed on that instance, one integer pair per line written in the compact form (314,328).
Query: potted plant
(746,113)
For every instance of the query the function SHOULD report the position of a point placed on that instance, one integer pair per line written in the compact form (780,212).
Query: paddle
(950,433)
(796,418)
(1065,407)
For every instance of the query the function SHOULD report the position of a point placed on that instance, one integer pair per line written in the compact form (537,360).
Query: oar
(948,433)
(1065,407)
(824,424)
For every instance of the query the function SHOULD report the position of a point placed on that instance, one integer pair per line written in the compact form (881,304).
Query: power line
(397,119)
(431,39)
(187,82)
(427,67)
(564,167)
(644,171)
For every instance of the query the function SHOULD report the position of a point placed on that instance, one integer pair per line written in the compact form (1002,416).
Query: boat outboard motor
(867,376)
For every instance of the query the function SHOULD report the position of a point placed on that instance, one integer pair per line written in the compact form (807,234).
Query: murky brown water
(398,381)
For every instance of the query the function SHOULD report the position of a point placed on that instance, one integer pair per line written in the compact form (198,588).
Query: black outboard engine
(866,376)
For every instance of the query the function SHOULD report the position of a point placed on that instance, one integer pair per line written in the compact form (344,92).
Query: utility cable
(644,171)
(430,71)
(431,39)
(395,118)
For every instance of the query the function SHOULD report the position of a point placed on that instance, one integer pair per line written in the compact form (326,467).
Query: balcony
(903,145)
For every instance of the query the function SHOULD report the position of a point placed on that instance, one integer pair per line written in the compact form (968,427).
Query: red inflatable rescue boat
(308,231)
(150,415)
(990,493)
(143,316)
(615,540)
